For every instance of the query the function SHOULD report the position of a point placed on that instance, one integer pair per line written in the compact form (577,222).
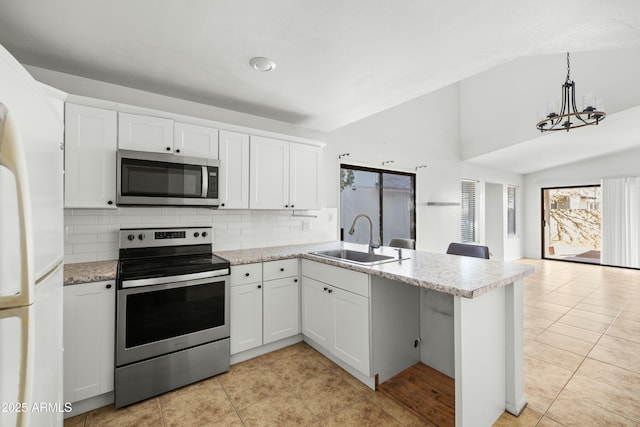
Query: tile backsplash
(92,234)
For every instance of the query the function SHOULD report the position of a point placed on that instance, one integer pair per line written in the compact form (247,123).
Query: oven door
(165,179)
(159,319)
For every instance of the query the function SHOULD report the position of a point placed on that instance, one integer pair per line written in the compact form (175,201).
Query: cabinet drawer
(343,278)
(246,273)
(280,269)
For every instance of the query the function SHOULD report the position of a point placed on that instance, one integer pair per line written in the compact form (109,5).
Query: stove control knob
(141,236)
(204,234)
(196,234)
(131,237)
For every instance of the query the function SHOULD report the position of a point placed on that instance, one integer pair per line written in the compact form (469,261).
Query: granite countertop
(86,272)
(452,274)
(457,275)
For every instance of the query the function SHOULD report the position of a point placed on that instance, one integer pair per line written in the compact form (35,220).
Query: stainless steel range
(172,311)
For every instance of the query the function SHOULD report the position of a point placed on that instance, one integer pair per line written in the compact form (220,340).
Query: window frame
(381,172)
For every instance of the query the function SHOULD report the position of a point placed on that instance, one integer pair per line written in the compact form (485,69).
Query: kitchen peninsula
(462,316)
(469,313)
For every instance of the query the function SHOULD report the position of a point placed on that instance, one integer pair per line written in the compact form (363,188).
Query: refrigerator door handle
(12,157)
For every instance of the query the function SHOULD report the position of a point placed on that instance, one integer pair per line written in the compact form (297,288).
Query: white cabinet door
(234,170)
(145,133)
(90,157)
(317,320)
(304,182)
(269,173)
(195,141)
(89,331)
(246,317)
(281,308)
(351,329)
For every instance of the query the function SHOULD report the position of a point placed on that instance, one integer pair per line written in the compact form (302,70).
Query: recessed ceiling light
(262,64)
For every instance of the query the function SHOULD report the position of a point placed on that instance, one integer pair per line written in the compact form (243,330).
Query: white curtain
(621,222)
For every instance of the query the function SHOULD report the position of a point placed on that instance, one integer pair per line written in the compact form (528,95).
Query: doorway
(571,223)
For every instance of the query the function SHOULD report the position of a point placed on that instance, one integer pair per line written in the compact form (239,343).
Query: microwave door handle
(12,157)
(205,182)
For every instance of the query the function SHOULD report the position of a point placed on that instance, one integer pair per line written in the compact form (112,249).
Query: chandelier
(569,116)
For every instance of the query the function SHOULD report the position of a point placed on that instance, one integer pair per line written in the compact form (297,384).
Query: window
(388,198)
(511,211)
(469,212)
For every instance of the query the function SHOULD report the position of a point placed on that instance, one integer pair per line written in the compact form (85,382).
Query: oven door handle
(173,279)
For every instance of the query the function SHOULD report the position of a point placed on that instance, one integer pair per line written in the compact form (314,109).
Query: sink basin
(356,257)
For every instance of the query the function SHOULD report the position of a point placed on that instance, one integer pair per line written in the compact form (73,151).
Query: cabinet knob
(291,206)
(110,202)
(282,269)
(330,290)
(178,150)
(295,280)
(326,289)
(247,274)
(221,204)
(286,206)
(259,286)
(168,148)
(109,286)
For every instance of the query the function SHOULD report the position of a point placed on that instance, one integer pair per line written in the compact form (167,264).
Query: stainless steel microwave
(145,178)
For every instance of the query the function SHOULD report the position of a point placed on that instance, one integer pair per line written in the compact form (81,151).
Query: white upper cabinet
(234,170)
(304,182)
(284,175)
(269,171)
(145,133)
(90,157)
(195,141)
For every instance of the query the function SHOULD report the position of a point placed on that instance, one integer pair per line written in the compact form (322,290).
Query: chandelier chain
(568,68)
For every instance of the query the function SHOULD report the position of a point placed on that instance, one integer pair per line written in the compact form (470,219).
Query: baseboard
(264,349)
(90,404)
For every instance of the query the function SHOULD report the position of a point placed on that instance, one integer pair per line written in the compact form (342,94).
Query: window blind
(468,219)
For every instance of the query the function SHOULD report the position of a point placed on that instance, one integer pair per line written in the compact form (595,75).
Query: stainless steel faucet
(372,245)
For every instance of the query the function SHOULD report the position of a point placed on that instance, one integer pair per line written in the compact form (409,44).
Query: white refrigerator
(31,250)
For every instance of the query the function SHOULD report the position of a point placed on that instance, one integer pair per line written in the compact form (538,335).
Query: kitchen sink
(357,257)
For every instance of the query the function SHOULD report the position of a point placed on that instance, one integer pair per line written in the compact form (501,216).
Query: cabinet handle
(110,202)
(109,286)
(168,148)
(178,150)
(247,274)
(259,286)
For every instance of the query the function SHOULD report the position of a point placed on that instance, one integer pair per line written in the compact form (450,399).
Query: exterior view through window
(571,223)
(388,198)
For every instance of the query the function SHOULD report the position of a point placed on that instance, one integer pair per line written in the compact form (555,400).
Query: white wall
(423,131)
(588,172)
(499,107)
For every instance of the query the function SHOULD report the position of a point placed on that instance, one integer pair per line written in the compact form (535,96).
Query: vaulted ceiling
(337,60)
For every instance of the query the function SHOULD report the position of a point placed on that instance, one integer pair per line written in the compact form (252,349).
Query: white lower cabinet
(89,331)
(281,300)
(265,303)
(246,317)
(246,307)
(335,312)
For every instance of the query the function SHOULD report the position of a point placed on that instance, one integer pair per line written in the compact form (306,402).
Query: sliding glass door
(388,198)
(571,223)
